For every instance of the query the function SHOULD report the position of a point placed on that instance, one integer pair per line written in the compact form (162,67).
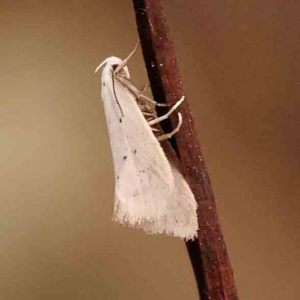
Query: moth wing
(183,221)
(181,217)
(144,181)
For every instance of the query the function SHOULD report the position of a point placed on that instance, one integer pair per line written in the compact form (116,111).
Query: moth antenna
(125,61)
(101,65)
(113,84)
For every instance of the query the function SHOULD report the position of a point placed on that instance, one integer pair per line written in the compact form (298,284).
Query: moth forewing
(139,161)
(150,190)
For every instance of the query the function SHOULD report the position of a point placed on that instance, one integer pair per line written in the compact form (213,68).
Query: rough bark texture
(208,252)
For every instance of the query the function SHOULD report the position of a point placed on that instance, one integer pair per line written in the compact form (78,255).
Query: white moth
(150,191)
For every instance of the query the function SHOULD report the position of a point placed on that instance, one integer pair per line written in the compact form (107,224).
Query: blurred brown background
(240,66)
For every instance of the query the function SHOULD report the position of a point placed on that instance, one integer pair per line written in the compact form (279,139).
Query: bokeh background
(240,67)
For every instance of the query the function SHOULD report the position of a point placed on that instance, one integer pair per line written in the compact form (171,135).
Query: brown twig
(208,252)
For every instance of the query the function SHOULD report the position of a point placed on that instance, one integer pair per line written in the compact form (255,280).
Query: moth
(150,190)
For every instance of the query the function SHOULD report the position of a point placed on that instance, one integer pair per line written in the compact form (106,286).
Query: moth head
(111,64)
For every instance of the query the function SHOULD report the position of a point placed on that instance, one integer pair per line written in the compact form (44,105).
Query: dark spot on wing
(134,151)
(125,157)
(103,84)
(118,177)
(120,120)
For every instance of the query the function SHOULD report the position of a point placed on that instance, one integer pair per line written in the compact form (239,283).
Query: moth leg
(148,114)
(166,116)
(175,130)
(151,101)
(145,88)
(125,61)
(138,94)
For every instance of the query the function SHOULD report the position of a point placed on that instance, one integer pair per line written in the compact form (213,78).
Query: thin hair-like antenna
(100,66)
(125,61)
(117,70)
(113,84)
